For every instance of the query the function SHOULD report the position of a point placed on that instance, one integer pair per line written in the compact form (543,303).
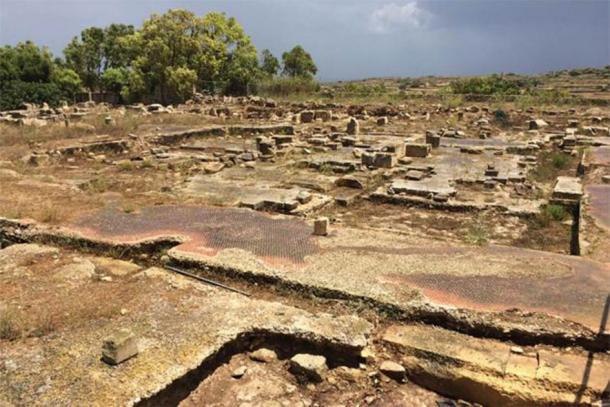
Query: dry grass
(97,185)
(545,234)
(551,164)
(52,308)
(11,135)
(125,165)
(47,211)
(129,207)
(147,163)
(51,214)
(13,210)
(44,324)
(10,324)
(478,232)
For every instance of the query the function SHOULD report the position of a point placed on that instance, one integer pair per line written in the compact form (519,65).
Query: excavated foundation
(285,346)
(450,372)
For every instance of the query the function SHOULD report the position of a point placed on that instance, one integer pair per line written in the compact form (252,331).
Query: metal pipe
(206,280)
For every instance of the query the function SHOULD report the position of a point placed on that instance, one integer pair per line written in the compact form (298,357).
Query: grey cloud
(364,38)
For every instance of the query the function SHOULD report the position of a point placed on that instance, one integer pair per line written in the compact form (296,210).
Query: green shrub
(550,165)
(125,165)
(492,85)
(560,160)
(501,117)
(67,81)
(13,93)
(98,185)
(407,83)
(326,169)
(550,213)
(552,96)
(115,79)
(453,102)
(477,233)
(542,219)
(556,212)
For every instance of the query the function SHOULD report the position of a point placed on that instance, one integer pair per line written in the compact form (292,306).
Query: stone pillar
(320,226)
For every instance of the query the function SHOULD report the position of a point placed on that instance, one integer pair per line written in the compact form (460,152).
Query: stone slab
(568,188)
(488,372)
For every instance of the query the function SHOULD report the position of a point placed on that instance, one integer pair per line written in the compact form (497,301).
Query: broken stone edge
(344,350)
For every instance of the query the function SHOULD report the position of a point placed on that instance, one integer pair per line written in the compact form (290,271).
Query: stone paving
(371,264)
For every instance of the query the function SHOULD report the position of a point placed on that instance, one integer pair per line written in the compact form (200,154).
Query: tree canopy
(96,50)
(165,60)
(28,73)
(269,63)
(25,62)
(179,51)
(299,63)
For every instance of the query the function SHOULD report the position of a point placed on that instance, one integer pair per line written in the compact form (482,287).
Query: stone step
(496,373)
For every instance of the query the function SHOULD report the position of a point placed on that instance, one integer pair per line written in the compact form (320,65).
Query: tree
(167,58)
(181,81)
(85,54)
(28,73)
(67,81)
(235,55)
(493,85)
(177,43)
(240,68)
(98,49)
(269,63)
(299,63)
(26,62)
(115,79)
(135,88)
(165,42)
(115,53)
(8,67)
(14,93)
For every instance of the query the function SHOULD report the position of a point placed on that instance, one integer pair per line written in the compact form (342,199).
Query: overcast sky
(364,38)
